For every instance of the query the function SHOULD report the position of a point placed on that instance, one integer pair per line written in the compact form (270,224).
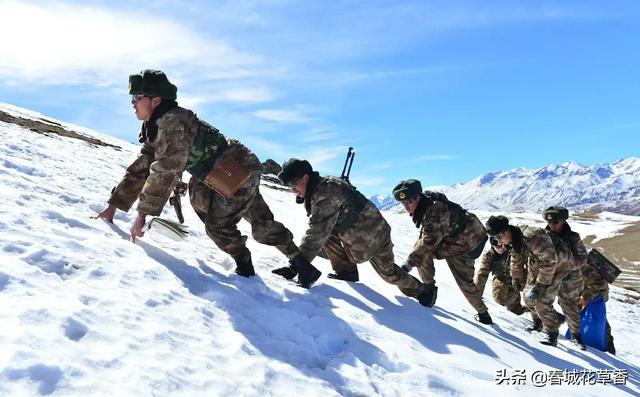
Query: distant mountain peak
(605,186)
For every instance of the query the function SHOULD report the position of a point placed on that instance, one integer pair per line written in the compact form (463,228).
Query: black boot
(484,318)
(611,349)
(245,268)
(535,326)
(287,272)
(428,297)
(307,273)
(518,310)
(346,276)
(560,317)
(552,339)
(578,340)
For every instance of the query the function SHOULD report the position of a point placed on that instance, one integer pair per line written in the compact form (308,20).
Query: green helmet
(555,213)
(496,225)
(407,189)
(152,83)
(293,169)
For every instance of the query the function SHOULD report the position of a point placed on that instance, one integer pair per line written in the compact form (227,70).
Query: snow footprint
(74,329)
(47,375)
(49,262)
(4,280)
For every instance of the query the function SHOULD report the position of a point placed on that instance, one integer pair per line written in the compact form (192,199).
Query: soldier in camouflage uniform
(539,260)
(349,227)
(168,136)
(594,285)
(572,283)
(497,261)
(447,232)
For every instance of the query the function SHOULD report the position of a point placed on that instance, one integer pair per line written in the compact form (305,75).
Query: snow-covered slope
(612,187)
(86,312)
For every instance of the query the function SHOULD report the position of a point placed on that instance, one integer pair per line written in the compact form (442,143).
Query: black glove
(428,297)
(517,284)
(287,272)
(307,273)
(406,266)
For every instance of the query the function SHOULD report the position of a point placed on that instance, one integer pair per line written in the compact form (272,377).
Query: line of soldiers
(547,263)
(342,222)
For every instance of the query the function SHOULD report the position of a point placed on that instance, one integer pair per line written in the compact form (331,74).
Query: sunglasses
(137,97)
(495,242)
(553,222)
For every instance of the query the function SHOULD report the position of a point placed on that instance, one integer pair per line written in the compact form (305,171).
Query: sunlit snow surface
(85,312)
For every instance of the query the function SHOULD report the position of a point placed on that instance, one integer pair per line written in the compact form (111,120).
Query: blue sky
(441,91)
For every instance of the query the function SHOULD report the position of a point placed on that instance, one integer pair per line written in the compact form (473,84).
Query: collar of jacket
(565,233)
(312,186)
(517,239)
(150,128)
(421,210)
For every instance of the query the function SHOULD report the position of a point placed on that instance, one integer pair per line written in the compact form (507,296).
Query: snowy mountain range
(611,187)
(86,312)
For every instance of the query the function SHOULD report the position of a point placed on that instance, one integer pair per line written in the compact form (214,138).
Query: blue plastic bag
(593,323)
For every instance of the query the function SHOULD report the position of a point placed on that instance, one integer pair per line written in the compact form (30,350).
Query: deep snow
(86,312)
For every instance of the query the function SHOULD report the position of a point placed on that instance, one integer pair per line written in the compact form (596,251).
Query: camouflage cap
(555,213)
(496,225)
(407,189)
(293,169)
(153,83)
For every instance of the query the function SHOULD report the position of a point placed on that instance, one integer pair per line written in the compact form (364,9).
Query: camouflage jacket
(153,175)
(574,242)
(493,262)
(594,284)
(536,253)
(435,238)
(326,202)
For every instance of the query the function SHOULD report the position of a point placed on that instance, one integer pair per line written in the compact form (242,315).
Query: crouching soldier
(447,232)
(538,264)
(573,283)
(596,284)
(497,261)
(349,228)
(225,176)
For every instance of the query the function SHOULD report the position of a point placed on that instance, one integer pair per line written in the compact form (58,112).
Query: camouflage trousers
(221,216)
(462,268)
(382,262)
(505,295)
(542,307)
(569,299)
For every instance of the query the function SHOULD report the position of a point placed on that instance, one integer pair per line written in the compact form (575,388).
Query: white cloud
(282,115)
(321,158)
(242,95)
(66,44)
(318,135)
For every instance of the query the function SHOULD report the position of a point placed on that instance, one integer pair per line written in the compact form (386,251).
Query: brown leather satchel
(227,176)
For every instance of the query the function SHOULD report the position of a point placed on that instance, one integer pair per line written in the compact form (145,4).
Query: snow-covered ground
(86,312)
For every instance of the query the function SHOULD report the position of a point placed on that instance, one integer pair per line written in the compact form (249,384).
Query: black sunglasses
(137,97)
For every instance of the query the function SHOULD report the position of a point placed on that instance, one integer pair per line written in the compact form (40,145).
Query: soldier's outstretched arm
(542,247)
(128,189)
(172,150)
(107,214)
(480,279)
(434,231)
(325,210)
